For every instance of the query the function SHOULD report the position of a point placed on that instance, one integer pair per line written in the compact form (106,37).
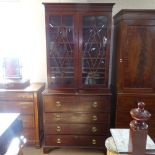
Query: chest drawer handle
(58,117)
(94,117)
(93,141)
(58,141)
(58,104)
(58,129)
(95,104)
(94,129)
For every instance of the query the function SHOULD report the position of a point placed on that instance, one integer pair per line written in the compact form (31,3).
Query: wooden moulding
(14,84)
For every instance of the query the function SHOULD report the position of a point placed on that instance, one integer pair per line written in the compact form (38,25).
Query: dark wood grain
(75,140)
(78,129)
(133,66)
(134,49)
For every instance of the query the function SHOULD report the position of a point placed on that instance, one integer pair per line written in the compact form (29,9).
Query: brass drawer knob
(58,117)
(58,141)
(58,129)
(58,104)
(94,117)
(95,104)
(93,141)
(94,129)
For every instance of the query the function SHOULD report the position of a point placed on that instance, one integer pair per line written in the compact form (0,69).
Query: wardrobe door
(135,53)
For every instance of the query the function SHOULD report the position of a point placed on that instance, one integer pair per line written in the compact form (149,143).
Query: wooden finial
(140,115)
(138,130)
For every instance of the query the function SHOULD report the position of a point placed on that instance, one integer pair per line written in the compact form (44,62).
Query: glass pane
(94,49)
(67,20)
(61,49)
(97,20)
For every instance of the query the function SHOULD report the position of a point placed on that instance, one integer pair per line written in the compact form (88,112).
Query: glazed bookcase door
(94,50)
(61,51)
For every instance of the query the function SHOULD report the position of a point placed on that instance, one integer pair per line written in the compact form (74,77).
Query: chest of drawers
(75,120)
(28,102)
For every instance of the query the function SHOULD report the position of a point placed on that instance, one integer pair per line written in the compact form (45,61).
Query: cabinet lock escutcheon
(58,141)
(94,117)
(58,129)
(93,141)
(58,116)
(95,104)
(94,129)
(58,104)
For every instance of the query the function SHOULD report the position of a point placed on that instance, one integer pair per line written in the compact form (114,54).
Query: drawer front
(71,140)
(16,96)
(11,106)
(59,103)
(28,121)
(94,103)
(77,129)
(76,117)
(74,103)
(29,134)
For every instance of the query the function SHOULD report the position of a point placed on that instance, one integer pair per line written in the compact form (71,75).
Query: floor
(34,151)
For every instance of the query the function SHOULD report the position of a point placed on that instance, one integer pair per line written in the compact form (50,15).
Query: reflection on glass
(94,49)
(61,50)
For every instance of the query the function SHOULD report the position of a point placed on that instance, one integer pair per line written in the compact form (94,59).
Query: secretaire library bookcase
(134,52)
(77,102)
(28,102)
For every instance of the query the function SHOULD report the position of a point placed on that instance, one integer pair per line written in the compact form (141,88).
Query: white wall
(22,30)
